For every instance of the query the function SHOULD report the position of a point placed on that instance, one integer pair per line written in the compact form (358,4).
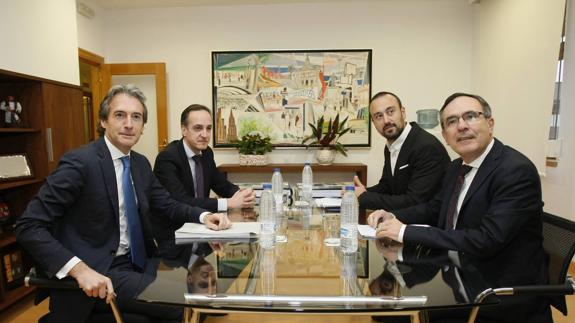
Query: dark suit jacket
(500,218)
(76,212)
(173,170)
(417,176)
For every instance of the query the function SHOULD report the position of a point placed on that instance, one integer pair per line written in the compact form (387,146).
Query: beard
(397,130)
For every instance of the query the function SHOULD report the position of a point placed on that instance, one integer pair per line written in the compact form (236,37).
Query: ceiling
(126,4)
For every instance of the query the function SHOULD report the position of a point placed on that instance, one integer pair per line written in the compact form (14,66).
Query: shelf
(12,296)
(14,184)
(7,239)
(18,130)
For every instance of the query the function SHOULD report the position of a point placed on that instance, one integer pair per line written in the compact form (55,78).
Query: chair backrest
(559,244)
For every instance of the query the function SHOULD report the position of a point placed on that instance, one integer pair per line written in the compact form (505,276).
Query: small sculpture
(11,110)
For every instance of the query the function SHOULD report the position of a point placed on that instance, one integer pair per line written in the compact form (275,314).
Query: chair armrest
(33,278)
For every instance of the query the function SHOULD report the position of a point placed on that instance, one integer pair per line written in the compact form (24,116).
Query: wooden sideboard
(359,169)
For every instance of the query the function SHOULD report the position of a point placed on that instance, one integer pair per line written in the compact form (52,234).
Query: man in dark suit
(177,166)
(90,220)
(489,207)
(415,160)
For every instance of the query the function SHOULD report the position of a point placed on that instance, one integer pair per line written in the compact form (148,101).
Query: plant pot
(253,160)
(325,156)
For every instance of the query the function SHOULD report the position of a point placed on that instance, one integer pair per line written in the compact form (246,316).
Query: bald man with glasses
(490,207)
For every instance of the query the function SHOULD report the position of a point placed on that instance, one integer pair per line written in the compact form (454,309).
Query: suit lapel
(404,152)
(485,170)
(188,178)
(109,174)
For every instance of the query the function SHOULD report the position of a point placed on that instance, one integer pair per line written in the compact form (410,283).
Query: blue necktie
(137,247)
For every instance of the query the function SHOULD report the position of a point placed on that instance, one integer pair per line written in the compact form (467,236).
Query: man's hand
(389,229)
(359,187)
(243,198)
(378,216)
(388,250)
(217,221)
(93,283)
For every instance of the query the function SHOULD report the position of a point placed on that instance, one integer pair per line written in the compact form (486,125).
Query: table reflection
(306,267)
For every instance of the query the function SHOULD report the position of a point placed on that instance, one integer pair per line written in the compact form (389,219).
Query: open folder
(241,230)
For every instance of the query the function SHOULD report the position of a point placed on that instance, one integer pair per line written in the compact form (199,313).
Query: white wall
(515,66)
(421,50)
(39,38)
(559,184)
(91,30)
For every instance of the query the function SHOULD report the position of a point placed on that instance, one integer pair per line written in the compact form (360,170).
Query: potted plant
(327,138)
(252,148)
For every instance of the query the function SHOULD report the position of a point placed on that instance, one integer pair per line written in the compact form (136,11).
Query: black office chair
(559,244)
(40,281)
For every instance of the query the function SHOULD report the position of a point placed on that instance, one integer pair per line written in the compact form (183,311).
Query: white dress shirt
(395,147)
(124,245)
(475,164)
(222,203)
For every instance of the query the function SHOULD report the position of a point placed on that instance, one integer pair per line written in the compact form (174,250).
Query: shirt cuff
(222,205)
(63,272)
(203,216)
(401,233)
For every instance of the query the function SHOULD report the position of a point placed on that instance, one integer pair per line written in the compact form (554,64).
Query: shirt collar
(479,160)
(396,145)
(189,152)
(114,151)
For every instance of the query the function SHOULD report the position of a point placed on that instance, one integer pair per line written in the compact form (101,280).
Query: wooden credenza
(359,169)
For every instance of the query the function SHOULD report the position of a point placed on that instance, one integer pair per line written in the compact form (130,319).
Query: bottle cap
(276,170)
(350,188)
(267,186)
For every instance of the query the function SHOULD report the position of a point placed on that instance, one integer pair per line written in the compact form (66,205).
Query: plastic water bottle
(348,274)
(267,217)
(278,189)
(349,215)
(267,271)
(307,183)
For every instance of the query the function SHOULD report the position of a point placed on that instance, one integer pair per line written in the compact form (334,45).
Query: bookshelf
(52,123)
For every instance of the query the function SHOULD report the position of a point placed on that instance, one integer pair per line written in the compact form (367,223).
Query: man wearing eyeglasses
(415,160)
(490,206)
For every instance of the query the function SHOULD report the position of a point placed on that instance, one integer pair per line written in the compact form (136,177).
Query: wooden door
(157,122)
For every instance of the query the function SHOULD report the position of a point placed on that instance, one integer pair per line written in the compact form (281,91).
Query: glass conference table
(304,275)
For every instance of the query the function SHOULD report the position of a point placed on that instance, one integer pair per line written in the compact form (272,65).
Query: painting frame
(15,167)
(277,93)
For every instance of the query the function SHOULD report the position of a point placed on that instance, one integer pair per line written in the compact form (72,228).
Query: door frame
(98,91)
(158,70)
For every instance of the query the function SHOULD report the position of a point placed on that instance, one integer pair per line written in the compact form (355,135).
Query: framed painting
(278,93)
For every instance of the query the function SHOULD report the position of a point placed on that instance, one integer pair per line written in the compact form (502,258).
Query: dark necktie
(452,209)
(137,247)
(199,176)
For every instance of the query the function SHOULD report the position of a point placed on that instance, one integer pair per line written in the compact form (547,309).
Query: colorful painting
(278,93)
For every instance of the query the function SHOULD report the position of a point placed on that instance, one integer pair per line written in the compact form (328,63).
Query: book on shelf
(13,267)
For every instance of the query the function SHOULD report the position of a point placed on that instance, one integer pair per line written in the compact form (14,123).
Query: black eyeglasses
(470,117)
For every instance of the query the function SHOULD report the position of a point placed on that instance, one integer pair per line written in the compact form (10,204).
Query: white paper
(366,230)
(328,202)
(238,230)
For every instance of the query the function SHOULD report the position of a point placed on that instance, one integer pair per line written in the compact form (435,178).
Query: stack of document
(366,231)
(258,189)
(238,230)
(320,190)
(328,202)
